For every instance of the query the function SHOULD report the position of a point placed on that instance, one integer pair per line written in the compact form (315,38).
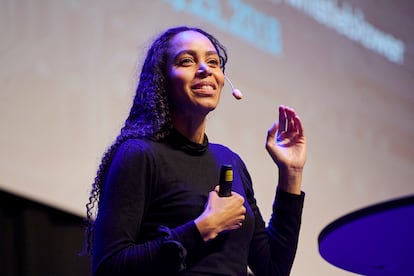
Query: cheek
(175,82)
(220,80)
(177,87)
(179,78)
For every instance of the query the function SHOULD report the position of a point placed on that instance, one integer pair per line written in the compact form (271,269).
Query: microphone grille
(237,94)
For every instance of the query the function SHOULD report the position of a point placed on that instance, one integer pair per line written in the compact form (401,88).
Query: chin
(209,104)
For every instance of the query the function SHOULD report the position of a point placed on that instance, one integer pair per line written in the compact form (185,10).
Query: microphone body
(226,180)
(234,91)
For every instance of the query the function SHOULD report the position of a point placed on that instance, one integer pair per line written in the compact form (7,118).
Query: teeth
(207,87)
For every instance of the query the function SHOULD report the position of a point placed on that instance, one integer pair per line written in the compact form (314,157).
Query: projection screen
(69,70)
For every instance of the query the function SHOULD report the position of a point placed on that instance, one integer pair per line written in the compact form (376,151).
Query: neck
(191,127)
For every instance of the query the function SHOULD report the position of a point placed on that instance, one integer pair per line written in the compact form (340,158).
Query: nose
(204,69)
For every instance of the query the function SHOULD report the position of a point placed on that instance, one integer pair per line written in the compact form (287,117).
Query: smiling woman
(194,82)
(159,210)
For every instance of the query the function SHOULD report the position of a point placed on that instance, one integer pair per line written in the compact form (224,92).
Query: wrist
(205,227)
(290,180)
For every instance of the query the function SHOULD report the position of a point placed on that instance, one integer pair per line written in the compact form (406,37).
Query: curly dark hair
(149,115)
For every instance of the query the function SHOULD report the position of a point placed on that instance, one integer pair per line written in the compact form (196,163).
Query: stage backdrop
(68,72)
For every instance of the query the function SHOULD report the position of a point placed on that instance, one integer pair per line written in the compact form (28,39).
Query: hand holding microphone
(225,186)
(224,209)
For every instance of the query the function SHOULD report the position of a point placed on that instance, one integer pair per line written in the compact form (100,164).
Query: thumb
(271,133)
(216,189)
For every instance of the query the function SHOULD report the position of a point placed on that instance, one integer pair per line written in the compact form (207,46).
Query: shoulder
(131,157)
(134,148)
(226,155)
(220,148)
(226,152)
(135,144)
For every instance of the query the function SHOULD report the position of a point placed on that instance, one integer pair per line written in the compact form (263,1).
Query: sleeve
(122,207)
(273,249)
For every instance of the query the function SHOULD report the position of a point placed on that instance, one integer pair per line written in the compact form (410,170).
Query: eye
(213,62)
(186,61)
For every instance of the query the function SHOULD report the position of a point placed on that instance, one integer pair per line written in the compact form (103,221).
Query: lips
(204,85)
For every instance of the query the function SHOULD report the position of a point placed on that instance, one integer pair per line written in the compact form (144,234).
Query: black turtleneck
(153,193)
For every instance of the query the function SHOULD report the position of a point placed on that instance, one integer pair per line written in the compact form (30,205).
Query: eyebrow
(194,53)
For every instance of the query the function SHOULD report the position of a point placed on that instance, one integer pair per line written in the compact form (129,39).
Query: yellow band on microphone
(228,176)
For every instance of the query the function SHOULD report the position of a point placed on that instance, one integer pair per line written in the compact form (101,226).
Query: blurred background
(68,71)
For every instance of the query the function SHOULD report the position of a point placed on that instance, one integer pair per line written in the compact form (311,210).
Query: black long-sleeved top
(151,196)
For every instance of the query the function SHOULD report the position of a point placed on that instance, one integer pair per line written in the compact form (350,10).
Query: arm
(273,250)
(118,249)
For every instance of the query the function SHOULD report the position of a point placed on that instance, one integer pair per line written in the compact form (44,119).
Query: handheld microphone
(226,180)
(235,92)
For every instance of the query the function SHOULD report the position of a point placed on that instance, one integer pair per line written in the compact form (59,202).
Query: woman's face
(195,78)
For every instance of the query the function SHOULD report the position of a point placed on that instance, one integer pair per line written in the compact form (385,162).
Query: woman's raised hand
(286,144)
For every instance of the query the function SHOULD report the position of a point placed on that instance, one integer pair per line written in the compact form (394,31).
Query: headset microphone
(236,92)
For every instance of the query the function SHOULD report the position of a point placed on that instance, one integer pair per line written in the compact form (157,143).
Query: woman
(159,210)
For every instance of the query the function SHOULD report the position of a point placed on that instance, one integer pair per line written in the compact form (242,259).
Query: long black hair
(149,115)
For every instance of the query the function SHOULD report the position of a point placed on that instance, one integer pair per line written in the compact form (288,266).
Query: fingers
(237,222)
(282,117)
(299,126)
(288,121)
(217,188)
(286,115)
(230,207)
(238,196)
(237,225)
(271,133)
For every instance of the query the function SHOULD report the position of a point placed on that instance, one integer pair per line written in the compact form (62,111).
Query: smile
(205,87)
(208,86)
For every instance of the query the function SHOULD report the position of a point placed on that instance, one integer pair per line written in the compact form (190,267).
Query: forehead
(190,40)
